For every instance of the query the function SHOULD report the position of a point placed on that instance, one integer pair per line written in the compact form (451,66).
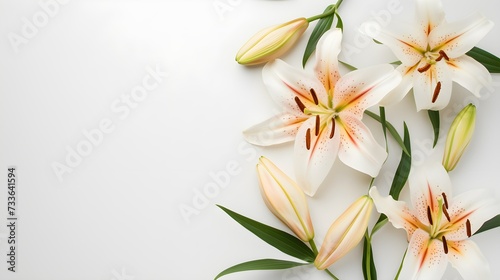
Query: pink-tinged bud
(285,199)
(271,42)
(345,233)
(459,136)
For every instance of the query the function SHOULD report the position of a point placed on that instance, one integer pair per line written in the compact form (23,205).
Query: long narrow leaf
(368,266)
(279,239)
(490,61)
(434,118)
(264,264)
(391,130)
(383,122)
(321,27)
(490,224)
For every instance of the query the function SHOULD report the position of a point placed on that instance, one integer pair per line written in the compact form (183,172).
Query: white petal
(398,93)
(426,88)
(425,259)
(358,148)
(477,206)
(397,212)
(327,51)
(470,74)
(407,42)
(313,161)
(468,260)
(457,38)
(430,14)
(427,184)
(276,130)
(363,88)
(285,82)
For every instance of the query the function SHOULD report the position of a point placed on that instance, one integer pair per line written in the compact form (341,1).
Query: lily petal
(430,13)
(363,88)
(476,206)
(470,74)
(276,130)
(425,258)
(358,147)
(315,154)
(457,38)
(285,82)
(327,51)
(427,184)
(466,257)
(398,93)
(397,212)
(432,89)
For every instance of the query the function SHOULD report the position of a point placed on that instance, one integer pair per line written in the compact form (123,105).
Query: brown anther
(445,200)
(316,129)
(467,226)
(314,96)
(332,133)
(445,245)
(424,68)
(443,54)
(445,212)
(301,105)
(429,216)
(308,139)
(436,92)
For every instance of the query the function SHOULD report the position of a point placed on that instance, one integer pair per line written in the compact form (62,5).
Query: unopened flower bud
(345,233)
(272,42)
(459,136)
(285,199)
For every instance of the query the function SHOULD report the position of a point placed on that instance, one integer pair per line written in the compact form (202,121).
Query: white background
(117,214)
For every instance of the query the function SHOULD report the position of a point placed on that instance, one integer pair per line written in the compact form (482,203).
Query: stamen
(439,58)
(424,68)
(316,130)
(308,139)
(445,245)
(429,216)
(301,105)
(446,214)
(445,200)
(469,230)
(436,92)
(443,54)
(314,96)
(332,133)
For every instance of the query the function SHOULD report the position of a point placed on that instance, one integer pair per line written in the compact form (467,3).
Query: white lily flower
(323,112)
(439,225)
(433,55)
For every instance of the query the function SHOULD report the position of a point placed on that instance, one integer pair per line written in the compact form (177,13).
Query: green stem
(331,274)
(368,256)
(401,266)
(330,12)
(313,247)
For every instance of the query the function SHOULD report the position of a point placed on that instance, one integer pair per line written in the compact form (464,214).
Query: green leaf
(383,121)
(264,264)
(340,23)
(490,224)
(368,266)
(323,25)
(391,130)
(490,61)
(434,118)
(279,239)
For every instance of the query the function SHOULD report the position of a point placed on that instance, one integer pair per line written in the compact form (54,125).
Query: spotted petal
(430,14)
(470,74)
(466,257)
(276,130)
(425,258)
(285,83)
(399,92)
(327,51)
(432,88)
(315,153)
(358,147)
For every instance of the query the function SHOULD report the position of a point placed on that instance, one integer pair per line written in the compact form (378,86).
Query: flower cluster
(322,114)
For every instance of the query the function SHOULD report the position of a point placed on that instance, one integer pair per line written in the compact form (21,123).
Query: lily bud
(459,136)
(285,199)
(271,42)
(345,233)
